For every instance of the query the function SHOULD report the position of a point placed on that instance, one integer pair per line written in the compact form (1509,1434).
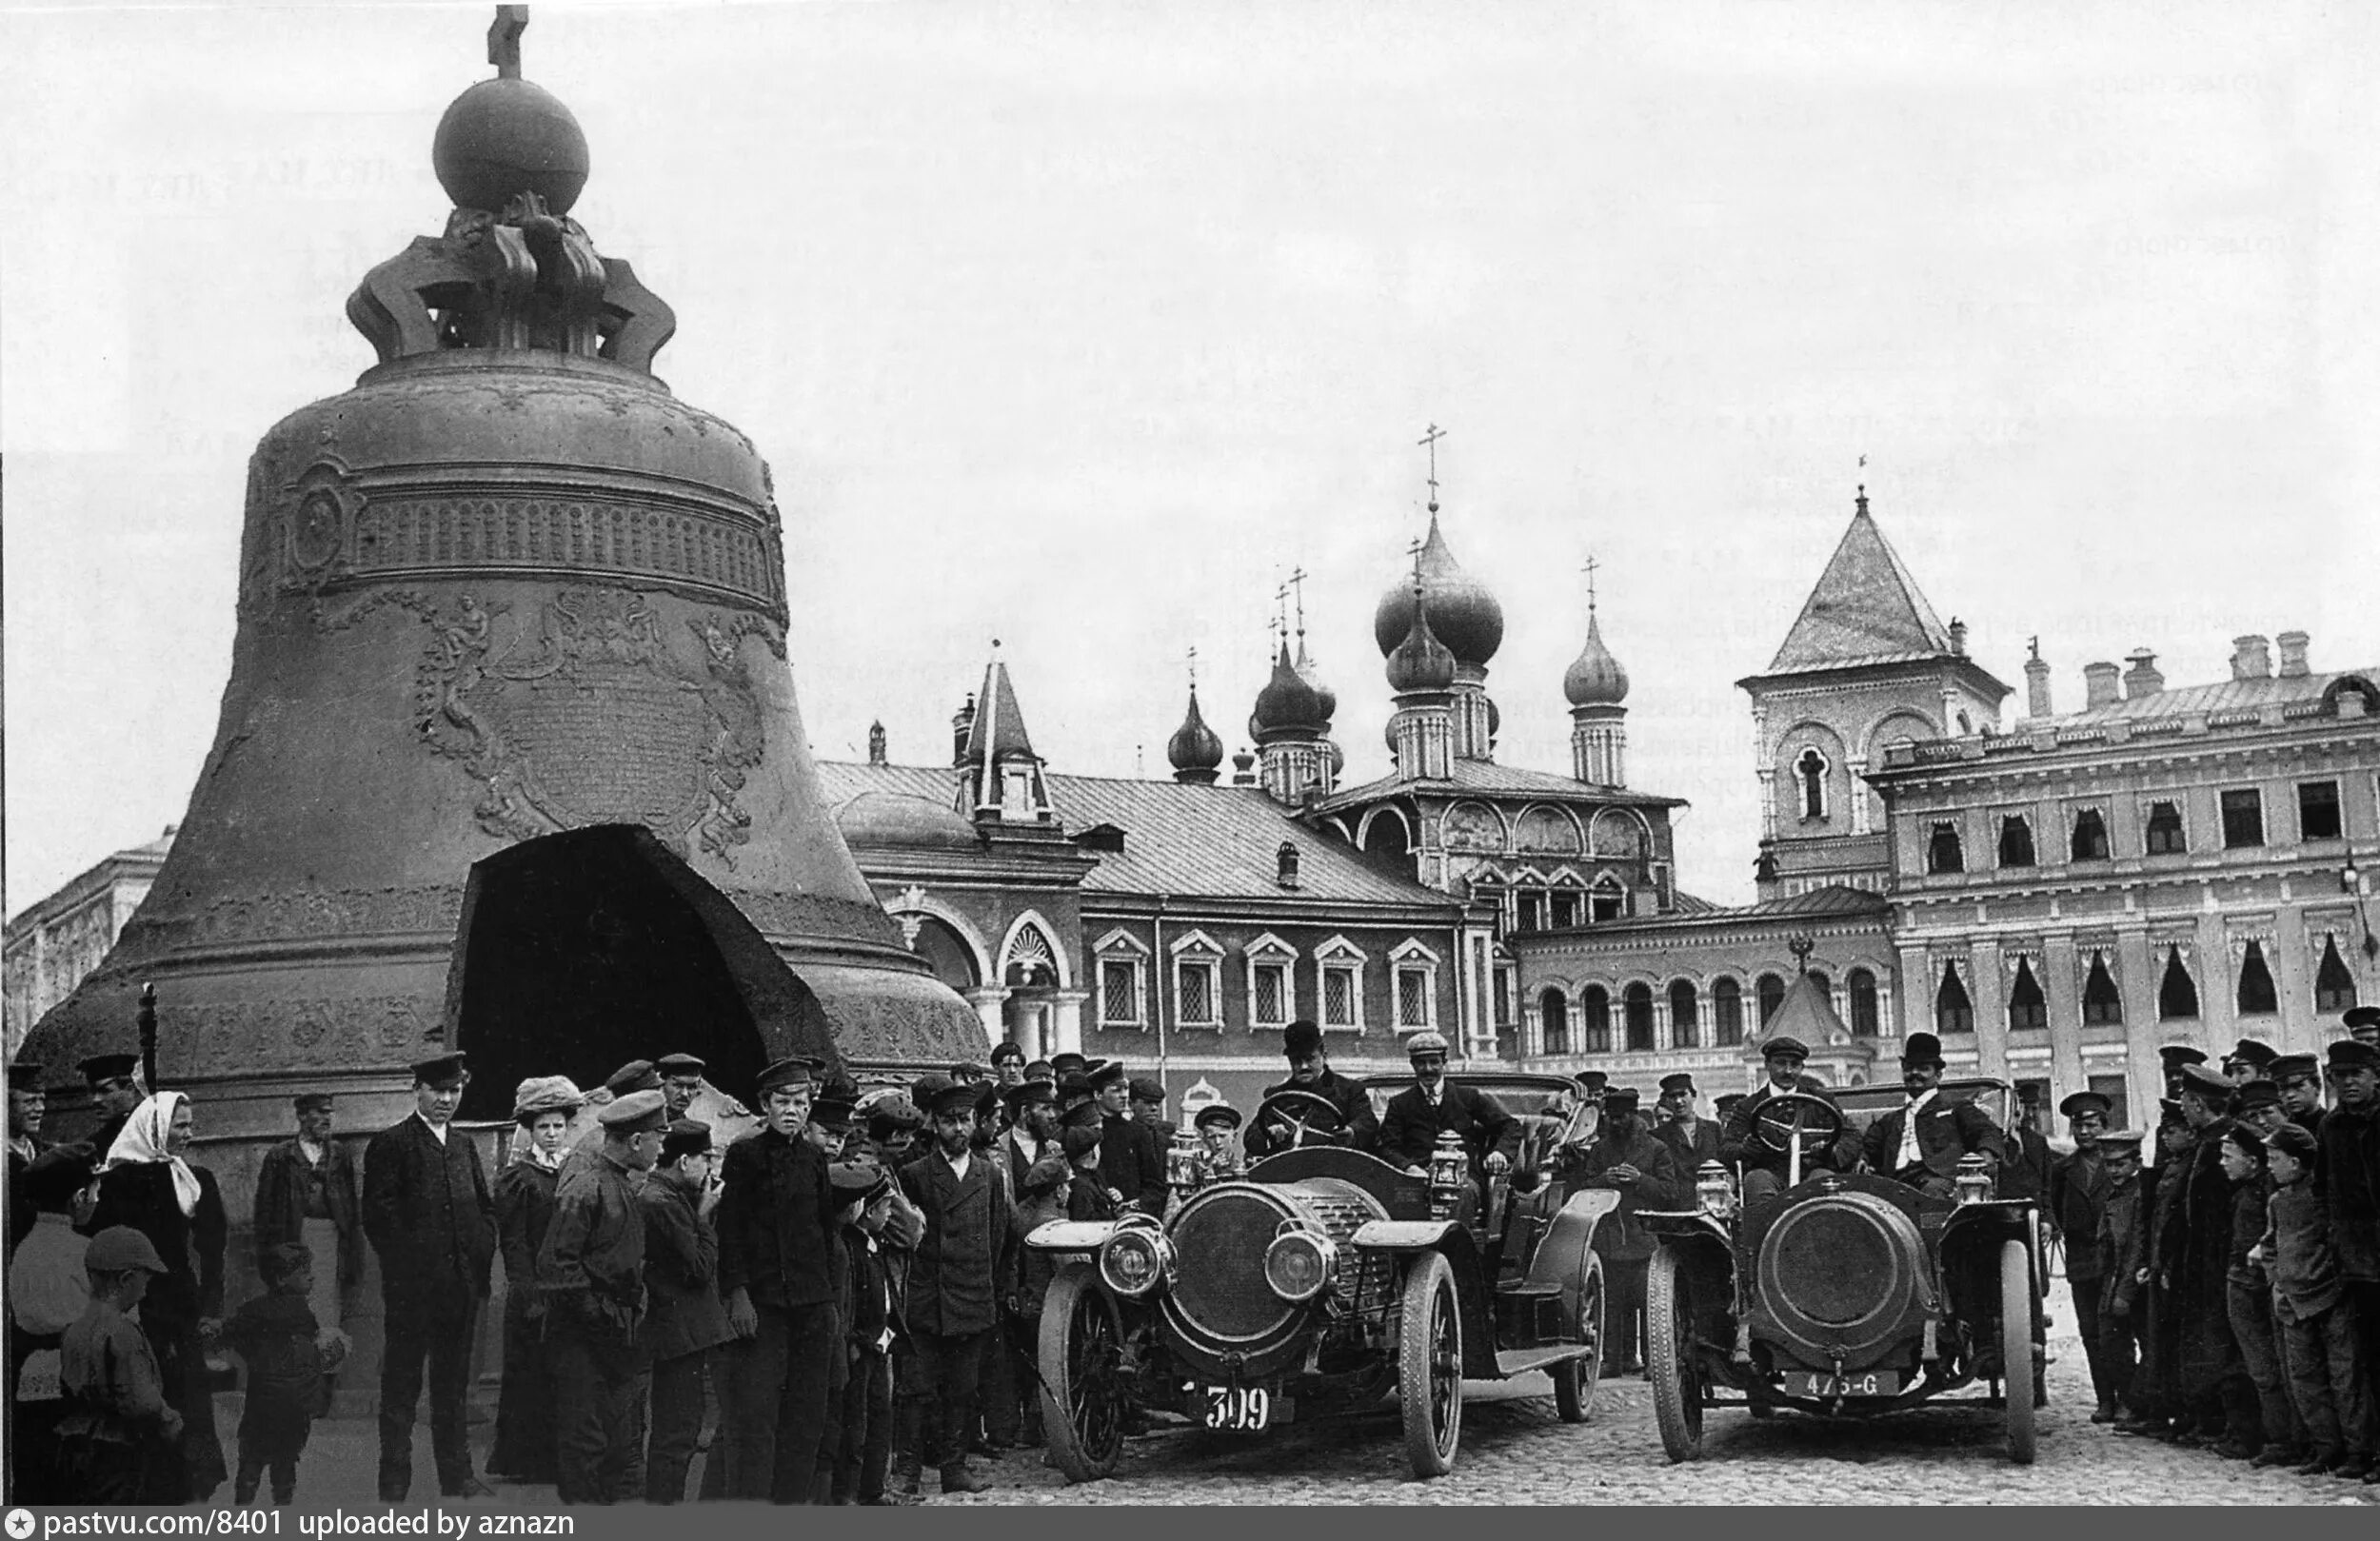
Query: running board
(1511,1362)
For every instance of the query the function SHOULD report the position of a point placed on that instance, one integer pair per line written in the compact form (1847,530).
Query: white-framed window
(1198,982)
(1338,970)
(1122,960)
(1414,972)
(1272,982)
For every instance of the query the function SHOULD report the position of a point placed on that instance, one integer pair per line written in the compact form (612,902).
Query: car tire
(1574,1380)
(1671,1357)
(2016,1386)
(1429,1365)
(1083,1399)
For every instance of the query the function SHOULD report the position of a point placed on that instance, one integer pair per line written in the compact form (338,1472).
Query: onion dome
(1324,693)
(1339,759)
(1420,661)
(1462,612)
(1596,678)
(1194,745)
(897,821)
(1287,704)
(508,136)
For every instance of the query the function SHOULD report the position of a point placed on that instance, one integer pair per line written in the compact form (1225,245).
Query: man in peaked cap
(1744,1141)
(776,1222)
(2118,1250)
(590,1274)
(2299,1078)
(2176,1057)
(1922,1141)
(1692,1140)
(1032,1130)
(684,1320)
(1042,1071)
(115,1089)
(427,1214)
(2195,1259)
(2248,1059)
(1626,1158)
(1309,1071)
(1591,1084)
(681,1082)
(1434,1105)
(1068,1060)
(2077,1202)
(1725,1105)
(306,1191)
(1129,1160)
(2346,1170)
(1148,1106)
(2362,1025)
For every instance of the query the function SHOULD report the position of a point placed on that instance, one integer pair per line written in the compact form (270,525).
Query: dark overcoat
(281,1183)
(1946,1133)
(427,1214)
(966,1261)
(1409,1131)
(776,1223)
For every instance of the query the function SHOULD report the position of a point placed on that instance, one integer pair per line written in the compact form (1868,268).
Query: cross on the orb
(1194,665)
(1801,947)
(1297,584)
(1589,570)
(503,40)
(1413,549)
(1429,440)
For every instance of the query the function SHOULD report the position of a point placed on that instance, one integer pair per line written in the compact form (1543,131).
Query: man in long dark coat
(963,1270)
(1625,1158)
(2195,1262)
(2347,1174)
(1310,1071)
(2078,1196)
(428,1216)
(1130,1161)
(311,1177)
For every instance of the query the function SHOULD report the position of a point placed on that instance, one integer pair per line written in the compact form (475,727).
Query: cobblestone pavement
(1515,1450)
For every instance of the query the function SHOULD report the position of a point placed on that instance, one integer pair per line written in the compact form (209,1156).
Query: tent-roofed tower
(1867,662)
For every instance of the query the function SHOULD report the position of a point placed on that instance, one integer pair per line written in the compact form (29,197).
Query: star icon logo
(20,1524)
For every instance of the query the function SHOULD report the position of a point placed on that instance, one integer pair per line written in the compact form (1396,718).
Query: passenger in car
(1434,1105)
(1922,1142)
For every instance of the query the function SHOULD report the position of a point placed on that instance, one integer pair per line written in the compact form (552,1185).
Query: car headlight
(1135,1261)
(1301,1265)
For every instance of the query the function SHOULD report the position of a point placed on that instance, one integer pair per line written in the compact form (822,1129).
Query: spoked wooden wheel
(1428,1366)
(1671,1360)
(2016,1387)
(1574,1380)
(1081,1358)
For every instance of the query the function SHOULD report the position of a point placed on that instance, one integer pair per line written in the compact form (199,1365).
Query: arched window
(2026,1007)
(2256,995)
(2016,841)
(2102,1003)
(1942,852)
(1554,1012)
(1772,993)
(1863,1002)
(1727,1012)
(1387,837)
(1638,1003)
(1684,1015)
(1810,775)
(1952,1011)
(2091,836)
(2334,987)
(1595,1020)
(2177,992)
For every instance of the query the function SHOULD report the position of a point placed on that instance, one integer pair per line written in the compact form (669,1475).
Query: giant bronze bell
(507,588)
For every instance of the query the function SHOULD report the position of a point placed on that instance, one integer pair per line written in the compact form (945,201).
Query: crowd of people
(830,1297)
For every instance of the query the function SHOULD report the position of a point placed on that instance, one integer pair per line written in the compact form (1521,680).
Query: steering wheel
(1790,1116)
(1299,1118)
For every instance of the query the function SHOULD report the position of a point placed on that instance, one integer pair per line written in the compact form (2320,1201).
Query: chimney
(961,728)
(876,743)
(2292,654)
(1958,637)
(1288,869)
(2249,661)
(2036,682)
(2099,685)
(2142,678)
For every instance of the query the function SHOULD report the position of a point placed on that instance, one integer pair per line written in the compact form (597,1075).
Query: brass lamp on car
(1450,1164)
(1974,1180)
(1138,1258)
(1714,1190)
(1188,1166)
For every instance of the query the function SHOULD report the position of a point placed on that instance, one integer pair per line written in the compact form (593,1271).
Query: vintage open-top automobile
(1323,1279)
(1845,1294)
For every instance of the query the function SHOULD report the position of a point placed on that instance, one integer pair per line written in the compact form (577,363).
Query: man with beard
(1691,1140)
(775,1221)
(1625,1158)
(1922,1142)
(2194,1264)
(1434,1105)
(1032,1130)
(2078,1196)
(1310,1071)
(963,1270)
(1743,1140)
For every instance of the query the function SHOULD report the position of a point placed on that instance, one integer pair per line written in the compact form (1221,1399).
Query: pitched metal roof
(998,726)
(1865,609)
(1214,842)
(1834,900)
(2246,697)
(1512,780)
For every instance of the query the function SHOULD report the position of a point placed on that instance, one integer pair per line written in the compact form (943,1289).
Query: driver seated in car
(1433,1105)
(1763,1157)
(1309,1071)
(1922,1141)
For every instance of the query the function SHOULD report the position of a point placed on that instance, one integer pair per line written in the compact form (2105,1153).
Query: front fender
(1406,1235)
(1070,1235)
(1567,1239)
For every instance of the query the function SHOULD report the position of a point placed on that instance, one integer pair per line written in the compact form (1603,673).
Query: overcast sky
(1076,325)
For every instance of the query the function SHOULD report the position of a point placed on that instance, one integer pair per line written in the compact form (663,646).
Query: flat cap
(639,1113)
(894,1115)
(1108,1074)
(1678,1081)
(120,1248)
(1008,1051)
(311,1102)
(2290,1066)
(2122,1139)
(970,1069)
(1426,1041)
(684,1137)
(2296,1138)
(1300,1037)
(793,1073)
(2177,1054)
(546,1094)
(1216,1116)
(961,1098)
(1046,1174)
(2078,1104)
(636,1076)
(924,1090)
(678,1064)
(856,1181)
(1147,1089)
(440,1071)
(101,1067)
(833,1110)
(1725,1102)
(1079,1140)
(2246,1138)
(1592,1081)
(2353,1054)
(1785,1043)
(2206,1083)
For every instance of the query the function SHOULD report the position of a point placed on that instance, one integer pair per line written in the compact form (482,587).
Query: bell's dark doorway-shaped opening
(579,952)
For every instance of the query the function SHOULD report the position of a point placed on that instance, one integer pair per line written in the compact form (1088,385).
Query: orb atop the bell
(507,136)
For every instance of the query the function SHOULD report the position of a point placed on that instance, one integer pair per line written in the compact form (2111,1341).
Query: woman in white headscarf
(149,1184)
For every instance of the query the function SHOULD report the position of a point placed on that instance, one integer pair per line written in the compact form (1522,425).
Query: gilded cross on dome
(1429,440)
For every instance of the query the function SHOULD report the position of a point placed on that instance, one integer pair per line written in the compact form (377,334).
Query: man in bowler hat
(1922,1141)
(1310,1071)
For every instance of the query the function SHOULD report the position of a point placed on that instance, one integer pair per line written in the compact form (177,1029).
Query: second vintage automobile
(1326,1279)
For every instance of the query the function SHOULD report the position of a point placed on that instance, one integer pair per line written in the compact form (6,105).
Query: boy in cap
(861,1431)
(2299,1078)
(777,1250)
(2329,1379)
(288,1353)
(305,1193)
(590,1274)
(2078,1196)
(2195,1262)
(1310,1071)
(48,1290)
(2247,1060)
(2362,1025)
(1129,1160)
(1744,1142)
(1689,1140)
(117,1442)
(2248,1303)
(2176,1058)
(683,1319)
(427,1213)
(963,1269)
(1216,1124)
(2115,1250)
